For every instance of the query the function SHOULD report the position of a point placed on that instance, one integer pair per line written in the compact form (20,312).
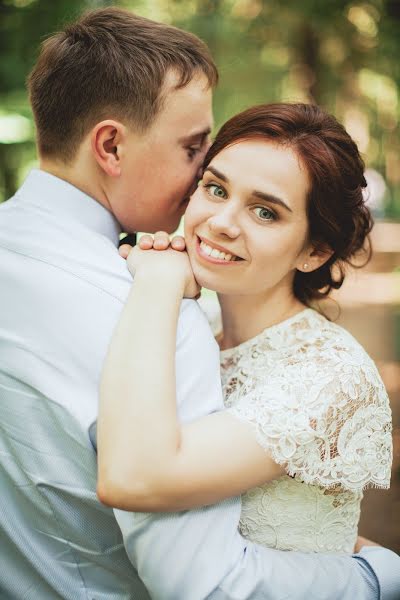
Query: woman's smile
(214,253)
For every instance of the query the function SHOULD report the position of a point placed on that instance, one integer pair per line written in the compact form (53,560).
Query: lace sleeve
(329,425)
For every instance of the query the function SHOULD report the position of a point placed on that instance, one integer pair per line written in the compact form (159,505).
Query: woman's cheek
(193,214)
(187,226)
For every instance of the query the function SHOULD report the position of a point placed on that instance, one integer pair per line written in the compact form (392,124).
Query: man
(123,113)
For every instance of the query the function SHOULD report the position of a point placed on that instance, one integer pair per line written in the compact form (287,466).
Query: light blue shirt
(63,286)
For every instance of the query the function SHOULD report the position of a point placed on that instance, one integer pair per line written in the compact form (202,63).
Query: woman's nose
(224,223)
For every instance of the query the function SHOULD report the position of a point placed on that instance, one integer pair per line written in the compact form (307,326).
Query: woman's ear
(106,140)
(314,257)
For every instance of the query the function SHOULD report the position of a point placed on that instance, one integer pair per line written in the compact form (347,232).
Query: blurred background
(341,55)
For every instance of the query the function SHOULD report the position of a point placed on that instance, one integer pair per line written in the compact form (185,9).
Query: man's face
(160,168)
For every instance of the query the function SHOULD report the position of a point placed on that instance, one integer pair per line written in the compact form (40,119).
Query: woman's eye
(215,190)
(265,214)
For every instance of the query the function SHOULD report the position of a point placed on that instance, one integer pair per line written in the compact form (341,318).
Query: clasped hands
(158,257)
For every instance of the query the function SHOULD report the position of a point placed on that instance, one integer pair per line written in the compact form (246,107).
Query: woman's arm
(147,461)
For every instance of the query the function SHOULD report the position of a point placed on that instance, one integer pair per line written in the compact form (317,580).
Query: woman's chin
(201,278)
(206,279)
(209,282)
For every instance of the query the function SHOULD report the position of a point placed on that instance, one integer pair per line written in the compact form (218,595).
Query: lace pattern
(319,407)
(288,515)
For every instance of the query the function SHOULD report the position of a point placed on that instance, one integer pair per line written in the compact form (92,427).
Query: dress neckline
(268,331)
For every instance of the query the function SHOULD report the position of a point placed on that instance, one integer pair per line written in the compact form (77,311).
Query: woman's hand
(173,263)
(160,241)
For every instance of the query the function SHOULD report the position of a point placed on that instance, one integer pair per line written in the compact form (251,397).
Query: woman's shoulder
(317,360)
(331,344)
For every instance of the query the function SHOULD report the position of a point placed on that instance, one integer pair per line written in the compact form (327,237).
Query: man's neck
(81,176)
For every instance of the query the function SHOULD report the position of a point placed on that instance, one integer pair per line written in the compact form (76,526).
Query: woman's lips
(212,259)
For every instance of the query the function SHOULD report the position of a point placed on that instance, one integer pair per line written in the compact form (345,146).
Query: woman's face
(246,224)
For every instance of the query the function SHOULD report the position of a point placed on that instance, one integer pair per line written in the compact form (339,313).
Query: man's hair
(110,63)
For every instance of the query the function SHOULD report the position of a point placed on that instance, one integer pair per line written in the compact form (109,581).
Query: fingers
(124,250)
(161,240)
(146,242)
(178,243)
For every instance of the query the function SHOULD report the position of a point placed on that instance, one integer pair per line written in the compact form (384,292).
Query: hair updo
(337,215)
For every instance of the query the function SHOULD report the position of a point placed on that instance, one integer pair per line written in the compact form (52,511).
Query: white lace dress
(319,407)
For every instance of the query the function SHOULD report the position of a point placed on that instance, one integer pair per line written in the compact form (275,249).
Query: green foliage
(342,55)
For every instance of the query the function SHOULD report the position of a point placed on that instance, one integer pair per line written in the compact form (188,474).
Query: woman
(307,424)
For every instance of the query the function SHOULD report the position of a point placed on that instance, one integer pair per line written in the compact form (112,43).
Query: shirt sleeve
(329,423)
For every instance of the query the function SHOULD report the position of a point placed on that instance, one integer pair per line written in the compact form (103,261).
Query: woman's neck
(244,317)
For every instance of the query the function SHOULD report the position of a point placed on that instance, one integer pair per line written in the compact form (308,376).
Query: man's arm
(199,554)
(361,542)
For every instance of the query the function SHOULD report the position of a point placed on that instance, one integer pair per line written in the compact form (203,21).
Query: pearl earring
(305,266)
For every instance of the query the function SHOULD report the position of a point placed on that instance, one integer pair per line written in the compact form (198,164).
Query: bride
(307,424)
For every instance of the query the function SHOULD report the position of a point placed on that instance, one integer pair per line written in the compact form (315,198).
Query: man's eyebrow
(196,136)
(261,195)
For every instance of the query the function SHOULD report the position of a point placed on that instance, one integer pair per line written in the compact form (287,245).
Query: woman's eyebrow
(271,198)
(217,173)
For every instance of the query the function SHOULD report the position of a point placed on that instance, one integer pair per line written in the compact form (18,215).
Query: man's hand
(361,542)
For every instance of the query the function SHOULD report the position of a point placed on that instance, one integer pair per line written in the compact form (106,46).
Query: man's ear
(314,257)
(106,140)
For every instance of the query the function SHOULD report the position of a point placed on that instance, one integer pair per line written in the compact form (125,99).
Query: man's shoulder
(192,316)
(194,331)
(29,234)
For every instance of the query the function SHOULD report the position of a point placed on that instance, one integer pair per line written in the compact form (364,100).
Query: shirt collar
(55,194)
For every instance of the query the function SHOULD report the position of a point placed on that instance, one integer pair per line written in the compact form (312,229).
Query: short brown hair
(336,211)
(110,63)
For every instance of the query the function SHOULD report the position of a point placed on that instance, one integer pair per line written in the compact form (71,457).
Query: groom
(123,114)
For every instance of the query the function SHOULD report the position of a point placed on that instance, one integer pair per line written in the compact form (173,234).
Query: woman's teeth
(216,253)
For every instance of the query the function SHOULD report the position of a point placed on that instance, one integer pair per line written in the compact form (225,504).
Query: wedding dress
(319,407)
